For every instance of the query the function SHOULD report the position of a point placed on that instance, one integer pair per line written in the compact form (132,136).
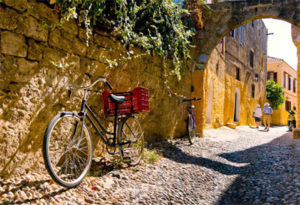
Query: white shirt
(257,112)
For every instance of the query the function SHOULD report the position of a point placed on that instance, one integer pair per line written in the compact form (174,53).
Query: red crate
(136,101)
(124,107)
(140,100)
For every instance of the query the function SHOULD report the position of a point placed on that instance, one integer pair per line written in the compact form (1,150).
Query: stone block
(8,18)
(60,59)
(56,39)
(20,5)
(42,11)
(25,66)
(18,69)
(31,27)
(79,47)
(97,53)
(82,34)
(13,44)
(95,68)
(70,26)
(35,50)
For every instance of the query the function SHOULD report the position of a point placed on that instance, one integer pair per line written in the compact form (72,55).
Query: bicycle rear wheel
(67,149)
(131,141)
(191,129)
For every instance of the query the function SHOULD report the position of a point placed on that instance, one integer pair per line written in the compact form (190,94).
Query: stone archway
(223,18)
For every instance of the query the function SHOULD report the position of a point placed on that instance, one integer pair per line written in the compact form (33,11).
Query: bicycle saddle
(117,98)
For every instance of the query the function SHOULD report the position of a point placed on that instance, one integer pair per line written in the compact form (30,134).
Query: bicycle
(190,120)
(67,146)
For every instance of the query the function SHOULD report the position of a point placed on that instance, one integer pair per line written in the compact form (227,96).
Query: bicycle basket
(140,100)
(136,101)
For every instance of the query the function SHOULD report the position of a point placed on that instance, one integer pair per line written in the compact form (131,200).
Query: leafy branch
(158,26)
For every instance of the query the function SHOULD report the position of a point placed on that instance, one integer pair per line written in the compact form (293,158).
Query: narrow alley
(242,166)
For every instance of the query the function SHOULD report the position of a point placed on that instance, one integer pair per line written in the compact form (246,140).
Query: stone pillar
(296,39)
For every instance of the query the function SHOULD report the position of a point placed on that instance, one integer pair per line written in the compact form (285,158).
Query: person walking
(257,115)
(267,111)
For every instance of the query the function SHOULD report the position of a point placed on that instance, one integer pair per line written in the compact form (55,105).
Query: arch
(226,16)
(237,108)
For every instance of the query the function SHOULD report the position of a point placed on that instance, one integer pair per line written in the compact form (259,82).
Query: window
(251,59)
(233,34)
(269,76)
(294,85)
(256,77)
(284,81)
(275,77)
(237,74)
(242,34)
(287,105)
(289,83)
(253,91)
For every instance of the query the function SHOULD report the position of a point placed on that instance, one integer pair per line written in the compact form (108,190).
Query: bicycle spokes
(69,148)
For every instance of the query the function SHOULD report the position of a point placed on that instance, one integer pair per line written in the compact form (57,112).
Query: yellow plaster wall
(224,88)
(280,115)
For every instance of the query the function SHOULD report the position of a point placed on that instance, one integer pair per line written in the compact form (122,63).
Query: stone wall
(40,58)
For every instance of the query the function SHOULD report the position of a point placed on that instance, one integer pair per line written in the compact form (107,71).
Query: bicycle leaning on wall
(67,147)
(190,120)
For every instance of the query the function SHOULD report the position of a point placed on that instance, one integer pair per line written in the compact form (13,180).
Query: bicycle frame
(90,115)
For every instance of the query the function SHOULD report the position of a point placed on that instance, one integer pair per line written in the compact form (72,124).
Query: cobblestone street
(242,166)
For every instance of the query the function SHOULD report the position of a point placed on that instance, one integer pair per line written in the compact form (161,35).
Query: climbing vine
(158,26)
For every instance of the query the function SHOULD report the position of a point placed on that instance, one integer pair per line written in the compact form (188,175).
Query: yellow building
(284,75)
(236,76)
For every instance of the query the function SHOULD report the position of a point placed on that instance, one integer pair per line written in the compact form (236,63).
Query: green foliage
(151,156)
(154,25)
(274,94)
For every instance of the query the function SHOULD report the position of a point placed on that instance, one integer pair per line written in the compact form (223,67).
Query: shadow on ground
(271,176)
(98,169)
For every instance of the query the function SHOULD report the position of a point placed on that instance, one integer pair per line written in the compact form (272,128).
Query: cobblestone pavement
(242,166)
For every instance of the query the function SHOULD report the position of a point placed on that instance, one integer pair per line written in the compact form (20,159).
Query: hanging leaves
(154,25)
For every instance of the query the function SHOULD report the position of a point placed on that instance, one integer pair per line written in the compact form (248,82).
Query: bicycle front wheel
(131,141)
(191,129)
(67,149)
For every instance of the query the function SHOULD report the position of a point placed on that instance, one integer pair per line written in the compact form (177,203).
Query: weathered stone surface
(70,26)
(79,47)
(82,34)
(93,67)
(42,12)
(60,39)
(20,5)
(60,59)
(97,53)
(25,66)
(8,18)
(35,50)
(13,44)
(31,27)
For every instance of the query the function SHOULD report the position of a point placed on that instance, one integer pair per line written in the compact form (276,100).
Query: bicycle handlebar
(88,87)
(192,99)
(94,83)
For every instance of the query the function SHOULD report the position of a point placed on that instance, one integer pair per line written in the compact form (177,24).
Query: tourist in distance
(257,115)
(267,111)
